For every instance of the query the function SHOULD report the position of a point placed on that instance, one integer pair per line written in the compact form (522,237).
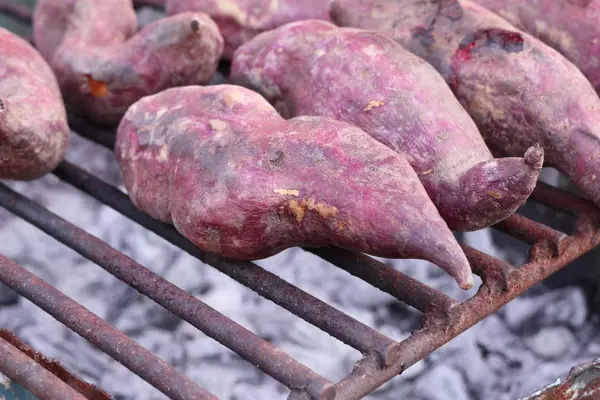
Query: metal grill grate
(383,358)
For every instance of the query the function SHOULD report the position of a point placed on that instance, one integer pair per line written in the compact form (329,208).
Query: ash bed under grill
(383,358)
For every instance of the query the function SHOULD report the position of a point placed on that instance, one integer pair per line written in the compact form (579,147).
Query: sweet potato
(34,134)
(103,66)
(314,68)
(236,179)
(570,26)
(241,20)
(518,90)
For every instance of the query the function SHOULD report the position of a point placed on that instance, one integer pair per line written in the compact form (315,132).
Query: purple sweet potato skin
(570,26)
(314,68)
(241,20)
(34,134)
(236,179)
(103,66)
(518,90)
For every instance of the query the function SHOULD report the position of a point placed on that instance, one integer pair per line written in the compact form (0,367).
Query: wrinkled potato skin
(34,134)
(570,26)
(314,68)
(241,20)
(518,90)
(103,66)
(236,179)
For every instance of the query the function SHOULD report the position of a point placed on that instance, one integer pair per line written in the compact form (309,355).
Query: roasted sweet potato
(34,134)
(314,68)
(236,179)
(518,90)
(241,20)
(103,66)
(570,26)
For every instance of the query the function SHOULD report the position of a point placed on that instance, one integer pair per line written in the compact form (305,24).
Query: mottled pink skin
(95,39)
(241,20)
(237,179)
(313,68)
(570,26)
(518,90)
(34,134)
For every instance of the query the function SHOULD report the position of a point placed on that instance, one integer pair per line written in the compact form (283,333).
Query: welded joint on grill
(326,393)
(496,274)
(547,249)
(550,242)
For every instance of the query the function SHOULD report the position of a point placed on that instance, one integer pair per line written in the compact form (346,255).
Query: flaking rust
(582,383)
(90,391)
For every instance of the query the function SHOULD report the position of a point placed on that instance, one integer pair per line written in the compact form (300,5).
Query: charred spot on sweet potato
(424,35)
(507,41)
(276,157)
(510,42)
(450,9)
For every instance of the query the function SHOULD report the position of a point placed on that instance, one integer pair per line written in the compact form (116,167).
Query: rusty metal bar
(329,319)
(532,232)
(32,376)
(485,302)
(101,334)
(93,132)
(16,11)
(249,346)
(494,272)
(561,200)
(387,279)
(89,391)
(151,3)
(582,383)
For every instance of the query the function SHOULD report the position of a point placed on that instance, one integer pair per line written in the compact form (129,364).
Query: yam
(314,68)
(236,179)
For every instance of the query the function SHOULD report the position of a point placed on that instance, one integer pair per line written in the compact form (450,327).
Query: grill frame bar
(57,370)
(40,382)
(383,358)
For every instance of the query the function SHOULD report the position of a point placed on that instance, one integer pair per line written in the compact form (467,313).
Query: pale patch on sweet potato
(287,192)
(373,104)
(217,124)
(164,153)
